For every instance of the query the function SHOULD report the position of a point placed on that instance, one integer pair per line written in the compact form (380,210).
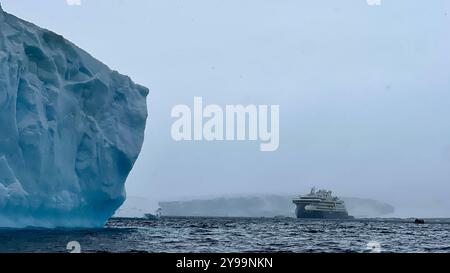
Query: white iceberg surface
(70,131)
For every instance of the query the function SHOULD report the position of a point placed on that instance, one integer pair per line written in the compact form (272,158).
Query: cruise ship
(320,205)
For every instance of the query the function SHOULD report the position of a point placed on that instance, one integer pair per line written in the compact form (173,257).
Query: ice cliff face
(70,130)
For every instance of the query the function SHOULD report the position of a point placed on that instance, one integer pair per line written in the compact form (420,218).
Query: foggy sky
(364,91)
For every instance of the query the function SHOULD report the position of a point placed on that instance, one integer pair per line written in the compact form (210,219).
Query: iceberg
(71,130)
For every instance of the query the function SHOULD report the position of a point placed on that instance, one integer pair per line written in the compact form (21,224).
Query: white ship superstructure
(320,204)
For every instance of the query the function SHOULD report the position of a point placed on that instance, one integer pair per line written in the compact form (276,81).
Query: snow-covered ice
(70,130)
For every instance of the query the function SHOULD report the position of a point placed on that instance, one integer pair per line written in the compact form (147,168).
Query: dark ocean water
(173,234)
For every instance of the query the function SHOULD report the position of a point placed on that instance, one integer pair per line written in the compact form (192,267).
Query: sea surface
(196,234)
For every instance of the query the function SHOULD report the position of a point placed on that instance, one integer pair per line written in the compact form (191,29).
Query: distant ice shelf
(71,130)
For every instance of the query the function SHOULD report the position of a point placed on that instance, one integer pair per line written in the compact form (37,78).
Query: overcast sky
(364,91)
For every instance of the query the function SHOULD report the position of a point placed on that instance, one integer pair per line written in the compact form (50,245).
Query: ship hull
(301,213)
